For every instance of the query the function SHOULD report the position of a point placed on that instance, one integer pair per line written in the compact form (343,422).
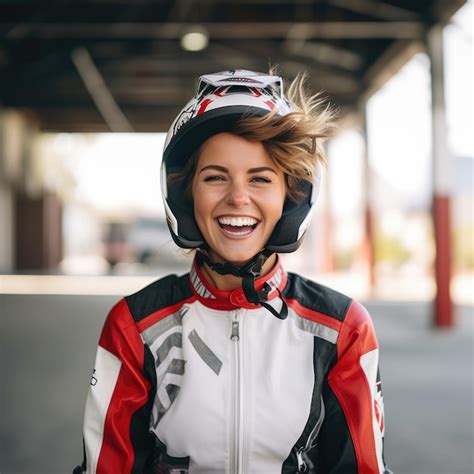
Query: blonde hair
(294,141)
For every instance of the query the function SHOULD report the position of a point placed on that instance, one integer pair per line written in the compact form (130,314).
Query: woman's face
(238,195)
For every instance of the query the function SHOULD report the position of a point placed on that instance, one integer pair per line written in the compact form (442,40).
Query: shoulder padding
(165,292)
(317,297)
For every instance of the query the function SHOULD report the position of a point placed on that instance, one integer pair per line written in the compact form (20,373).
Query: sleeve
(352,436)
(118,408)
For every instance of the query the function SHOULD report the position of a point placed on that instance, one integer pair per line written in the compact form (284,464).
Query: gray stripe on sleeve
(214,363)
(317,329)
(151,334)
(176,367)
(173,340)
(154,332)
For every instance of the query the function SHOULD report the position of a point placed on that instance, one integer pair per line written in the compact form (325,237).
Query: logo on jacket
(93,379)
(378,407)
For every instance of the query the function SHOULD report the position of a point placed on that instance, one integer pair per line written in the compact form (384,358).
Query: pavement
(47,349)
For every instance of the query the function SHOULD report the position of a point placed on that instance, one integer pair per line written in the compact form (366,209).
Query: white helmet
(220,101)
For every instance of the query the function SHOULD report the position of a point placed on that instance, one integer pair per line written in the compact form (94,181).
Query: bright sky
(399,123)
(120,171)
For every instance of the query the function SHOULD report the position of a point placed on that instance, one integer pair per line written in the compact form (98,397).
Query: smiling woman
(238,367)
(239,194)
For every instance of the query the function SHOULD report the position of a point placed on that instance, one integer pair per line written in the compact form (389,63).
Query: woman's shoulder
(160,295)
(316,296)
(324,300)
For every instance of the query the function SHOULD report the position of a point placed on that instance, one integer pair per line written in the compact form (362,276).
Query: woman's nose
(237,195)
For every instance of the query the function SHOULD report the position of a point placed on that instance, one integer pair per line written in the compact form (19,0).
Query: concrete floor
(47,349)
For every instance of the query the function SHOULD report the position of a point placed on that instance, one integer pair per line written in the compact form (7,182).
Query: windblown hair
(294,141)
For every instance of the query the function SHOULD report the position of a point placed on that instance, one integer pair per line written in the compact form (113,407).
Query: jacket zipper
(237,382)
(302,450)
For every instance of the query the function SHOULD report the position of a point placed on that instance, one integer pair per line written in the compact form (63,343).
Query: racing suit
(192,379)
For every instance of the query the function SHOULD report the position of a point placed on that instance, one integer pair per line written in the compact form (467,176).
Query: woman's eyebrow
(260,169)
(223,169)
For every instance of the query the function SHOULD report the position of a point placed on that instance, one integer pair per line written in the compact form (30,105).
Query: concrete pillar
(10,144)
(38,224)
(443,314)
(30,216)
(368,246)
(6,233)
(327,220)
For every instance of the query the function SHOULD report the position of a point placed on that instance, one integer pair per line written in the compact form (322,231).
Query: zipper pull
(300,460)
(235,331)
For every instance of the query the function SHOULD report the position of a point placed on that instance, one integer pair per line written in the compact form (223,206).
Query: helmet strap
(248,272)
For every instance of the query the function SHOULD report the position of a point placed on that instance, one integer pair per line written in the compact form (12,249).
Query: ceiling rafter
(100,93)
(296,42)
(321,77)
(377,9)
(254,30)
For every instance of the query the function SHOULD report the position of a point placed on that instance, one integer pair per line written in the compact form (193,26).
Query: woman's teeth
(237,226)
(237,221)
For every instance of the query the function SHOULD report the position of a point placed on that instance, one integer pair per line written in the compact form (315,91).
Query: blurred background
(88,89)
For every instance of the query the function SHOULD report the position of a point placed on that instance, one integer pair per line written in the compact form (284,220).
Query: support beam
(322,77)
(297,43)
(368,246)
(376,9)
(443,316)
(99,92)
(87,119)
(388,64)
(328,264)
(324,53)
(7,233)
(38,232)
(252,30)
(13,132)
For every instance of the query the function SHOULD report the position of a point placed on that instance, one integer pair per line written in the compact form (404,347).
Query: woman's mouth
(237,227)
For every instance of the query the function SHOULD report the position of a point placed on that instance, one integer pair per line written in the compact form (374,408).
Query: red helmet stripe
(203,106)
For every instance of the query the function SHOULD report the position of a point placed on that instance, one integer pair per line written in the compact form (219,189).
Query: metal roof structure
(72,62)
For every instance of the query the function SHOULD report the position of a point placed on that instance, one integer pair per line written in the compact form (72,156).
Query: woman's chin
(238,259)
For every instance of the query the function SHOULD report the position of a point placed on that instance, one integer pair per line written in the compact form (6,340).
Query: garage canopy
(60,59)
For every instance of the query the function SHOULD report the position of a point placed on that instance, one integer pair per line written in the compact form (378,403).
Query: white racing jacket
(191,379)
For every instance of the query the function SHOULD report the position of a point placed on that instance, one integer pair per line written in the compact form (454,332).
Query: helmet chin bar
(248,272)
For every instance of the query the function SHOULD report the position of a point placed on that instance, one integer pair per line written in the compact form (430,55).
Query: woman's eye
(213,178)
(261,179)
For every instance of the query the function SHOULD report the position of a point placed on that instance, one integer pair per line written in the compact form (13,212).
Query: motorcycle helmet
(220,101)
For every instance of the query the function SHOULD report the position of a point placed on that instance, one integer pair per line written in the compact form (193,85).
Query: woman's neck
(231,282)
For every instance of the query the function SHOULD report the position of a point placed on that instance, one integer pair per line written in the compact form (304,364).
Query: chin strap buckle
(248,273)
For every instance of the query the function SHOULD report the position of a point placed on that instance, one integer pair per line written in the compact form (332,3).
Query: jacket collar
(212,297)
